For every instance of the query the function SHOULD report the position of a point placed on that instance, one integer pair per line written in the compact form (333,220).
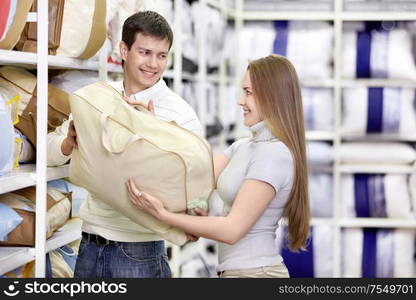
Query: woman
(260,179)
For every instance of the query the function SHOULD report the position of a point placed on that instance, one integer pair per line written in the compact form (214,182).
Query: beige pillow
(117,142)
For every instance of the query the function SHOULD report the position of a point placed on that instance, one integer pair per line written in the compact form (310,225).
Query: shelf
(320,135)
(313,222)
(287,15)
(378,16)
(113,68)
(25,176)
(377,222)
(68,233)
(360,222)
(348,83)
(14,257)
(194,77)
(185,75)
(379,137)
(11,57)
(322,222)
(378,82)
(317,83)
(362,168)
(215,78)
(314,168)
(325,16)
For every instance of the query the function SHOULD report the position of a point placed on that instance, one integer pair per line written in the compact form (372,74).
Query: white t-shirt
(262,157)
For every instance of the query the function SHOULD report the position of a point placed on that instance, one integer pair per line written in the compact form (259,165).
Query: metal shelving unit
(14,257)
(375,169)
(38,174)
(29,60)
(337,16)
(25,176)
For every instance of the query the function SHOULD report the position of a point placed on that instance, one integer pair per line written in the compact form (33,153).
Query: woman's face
(248,104)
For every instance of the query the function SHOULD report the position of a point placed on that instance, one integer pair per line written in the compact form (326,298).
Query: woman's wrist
(161,214)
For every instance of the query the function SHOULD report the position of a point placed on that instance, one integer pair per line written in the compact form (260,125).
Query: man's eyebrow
(145,49)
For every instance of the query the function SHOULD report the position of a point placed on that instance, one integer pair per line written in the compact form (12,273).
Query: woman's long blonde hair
(277,92)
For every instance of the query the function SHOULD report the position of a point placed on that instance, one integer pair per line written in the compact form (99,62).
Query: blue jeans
(101,258)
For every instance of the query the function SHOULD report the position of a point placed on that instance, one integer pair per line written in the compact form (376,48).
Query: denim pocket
(139,260)
(165,267)
(138,253)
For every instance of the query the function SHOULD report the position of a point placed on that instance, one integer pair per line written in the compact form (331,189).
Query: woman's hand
(144,201)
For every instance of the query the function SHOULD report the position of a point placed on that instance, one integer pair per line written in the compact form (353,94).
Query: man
(112,245)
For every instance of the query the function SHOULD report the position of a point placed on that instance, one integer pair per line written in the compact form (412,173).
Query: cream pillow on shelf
(376,153)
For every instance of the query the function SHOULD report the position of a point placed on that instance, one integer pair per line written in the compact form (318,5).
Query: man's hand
(70,142)
(150,106)
(191,238)
(199,212)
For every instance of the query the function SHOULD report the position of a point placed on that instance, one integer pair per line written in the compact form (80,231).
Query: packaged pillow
(216,24)
(319,153)
(83,29)
(370,50)
(321,193)
(376,195)
(412,188)
(27,152)
(376,153)
(23,202)
(376,110)
(117,12)
(72,80)
(316,261)
(60,263)
(374,252)
(14,17)
(7,138)
(8,221)
(289,39)
(17,82)
(294,37)
(78,194)
(257,42)
(318,108)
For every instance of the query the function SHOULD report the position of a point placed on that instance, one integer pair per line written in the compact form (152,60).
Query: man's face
(146,60)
